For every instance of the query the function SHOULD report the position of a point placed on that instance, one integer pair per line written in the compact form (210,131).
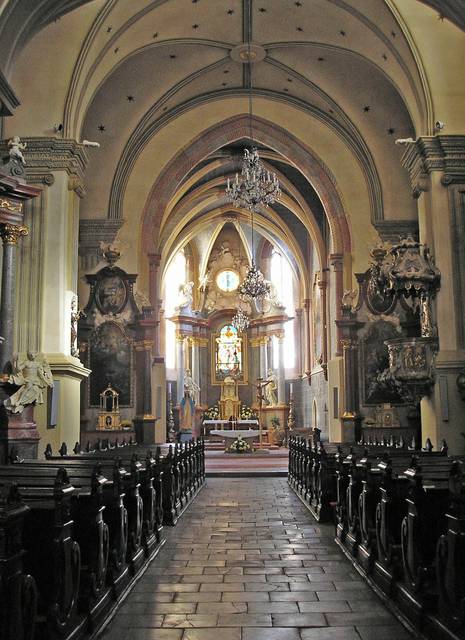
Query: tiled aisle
(247,562)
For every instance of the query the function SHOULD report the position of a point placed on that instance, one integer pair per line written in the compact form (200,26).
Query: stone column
(144,422)
(350,419)
(308,337)
(322,283)
(263,357)
(195,359)
(281,371)
(154,293)
(10,235)
(180,367)
(436,166)
(336,261)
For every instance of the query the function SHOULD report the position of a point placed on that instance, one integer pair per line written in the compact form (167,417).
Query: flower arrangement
(247,413)
(240,446)
(212,413)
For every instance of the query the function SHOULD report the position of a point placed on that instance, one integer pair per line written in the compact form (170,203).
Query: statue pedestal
(144,427)
(18,431)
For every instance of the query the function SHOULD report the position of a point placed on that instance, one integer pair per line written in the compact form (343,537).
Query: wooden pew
(90,530)
(450,563)
(53,556)
(18,590)
(428,499)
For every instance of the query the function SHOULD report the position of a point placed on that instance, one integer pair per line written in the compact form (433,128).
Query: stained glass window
(228,359)
(227,280)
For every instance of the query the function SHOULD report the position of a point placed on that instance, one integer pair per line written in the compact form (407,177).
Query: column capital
(180,337)
(348,343)
(336,261)
(10,233)
(154,260)
(434,153)
(143,345)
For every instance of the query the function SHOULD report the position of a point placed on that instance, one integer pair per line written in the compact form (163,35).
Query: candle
(290,389)
(169,388)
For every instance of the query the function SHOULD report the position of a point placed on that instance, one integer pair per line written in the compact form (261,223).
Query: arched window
(228,357)
(282,278)
(175,276)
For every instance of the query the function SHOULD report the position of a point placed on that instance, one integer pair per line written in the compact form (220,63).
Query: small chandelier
(254,285)
(240,320)
(256,187)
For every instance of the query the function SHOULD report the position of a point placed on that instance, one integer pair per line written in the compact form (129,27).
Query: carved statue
(271,390)
(204,281)
(348,298)
(31,373)
(75,315)
(190,386)
(186,297)
(16,149)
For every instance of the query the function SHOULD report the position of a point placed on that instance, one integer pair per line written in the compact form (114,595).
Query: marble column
(10,235)
(180,367)
(281,372)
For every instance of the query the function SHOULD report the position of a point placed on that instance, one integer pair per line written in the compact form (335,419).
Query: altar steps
(219,446)
(272,462)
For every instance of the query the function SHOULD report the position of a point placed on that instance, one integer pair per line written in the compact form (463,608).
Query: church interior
(232,227)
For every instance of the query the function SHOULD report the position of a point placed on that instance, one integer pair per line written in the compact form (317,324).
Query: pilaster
(436,167)
(48,271)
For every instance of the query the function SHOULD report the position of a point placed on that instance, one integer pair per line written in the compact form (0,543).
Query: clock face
(227,280)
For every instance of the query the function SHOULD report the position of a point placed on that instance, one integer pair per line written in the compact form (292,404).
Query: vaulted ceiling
(162,83)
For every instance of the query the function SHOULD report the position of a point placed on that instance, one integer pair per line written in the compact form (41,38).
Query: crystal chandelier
(254,285)
(256,187)
(240,320)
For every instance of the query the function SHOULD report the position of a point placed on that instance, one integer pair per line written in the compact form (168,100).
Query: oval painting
(111,295)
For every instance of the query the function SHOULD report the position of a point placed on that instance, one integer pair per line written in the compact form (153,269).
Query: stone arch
(267,133)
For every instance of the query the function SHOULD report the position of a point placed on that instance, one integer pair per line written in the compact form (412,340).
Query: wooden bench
(53,556)
(18,590)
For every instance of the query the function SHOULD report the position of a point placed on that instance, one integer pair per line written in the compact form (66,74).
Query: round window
(227,280)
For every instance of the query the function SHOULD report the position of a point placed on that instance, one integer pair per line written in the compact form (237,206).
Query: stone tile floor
(248,562)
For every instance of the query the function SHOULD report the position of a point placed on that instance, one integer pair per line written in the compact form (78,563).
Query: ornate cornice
(91,233)
(392,230)
(44,155)
(435,153)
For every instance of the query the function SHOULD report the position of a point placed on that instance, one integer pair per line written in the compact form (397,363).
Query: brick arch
(225,133)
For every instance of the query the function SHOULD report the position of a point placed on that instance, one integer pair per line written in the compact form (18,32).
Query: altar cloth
(232,435)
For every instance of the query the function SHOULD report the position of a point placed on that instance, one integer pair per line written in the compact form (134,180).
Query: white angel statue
(31,373)
(16,149)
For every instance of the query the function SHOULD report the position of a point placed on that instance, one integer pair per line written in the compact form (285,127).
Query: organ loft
(232,327)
